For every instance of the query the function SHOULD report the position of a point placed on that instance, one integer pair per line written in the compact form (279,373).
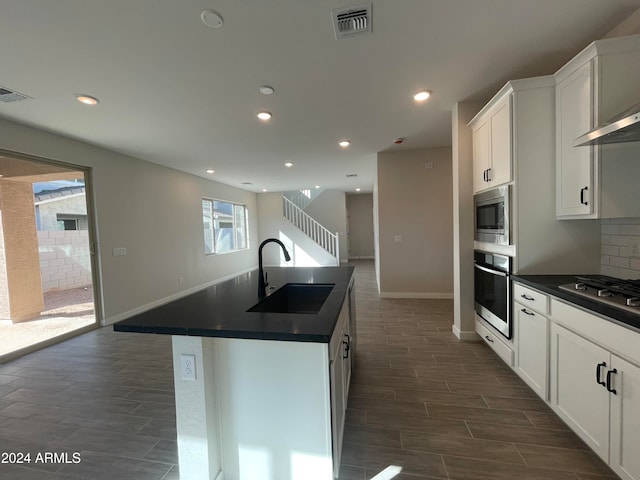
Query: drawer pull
(609,373)
(524,310)
(527,297)
(489,339)
(598,367)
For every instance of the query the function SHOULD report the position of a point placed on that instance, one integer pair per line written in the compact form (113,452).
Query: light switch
(397,238)
(119,251)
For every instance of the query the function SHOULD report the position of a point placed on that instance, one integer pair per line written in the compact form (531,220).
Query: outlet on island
(188,366)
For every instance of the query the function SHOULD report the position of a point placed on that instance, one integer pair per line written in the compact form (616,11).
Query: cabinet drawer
(531,298)
(504,351)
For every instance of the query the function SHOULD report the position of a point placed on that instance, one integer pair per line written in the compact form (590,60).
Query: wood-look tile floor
(421,404)
(428,406)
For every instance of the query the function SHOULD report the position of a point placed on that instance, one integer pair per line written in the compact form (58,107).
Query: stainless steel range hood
(624,127)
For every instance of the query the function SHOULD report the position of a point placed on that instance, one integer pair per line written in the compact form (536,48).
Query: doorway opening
(46,265)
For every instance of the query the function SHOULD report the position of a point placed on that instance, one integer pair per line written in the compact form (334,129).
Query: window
(225,226)
(67,223)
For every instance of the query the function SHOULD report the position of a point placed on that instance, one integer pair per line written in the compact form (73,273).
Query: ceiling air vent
(7,95)
(351,21)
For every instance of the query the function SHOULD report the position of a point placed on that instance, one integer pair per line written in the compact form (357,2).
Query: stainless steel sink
(295,298)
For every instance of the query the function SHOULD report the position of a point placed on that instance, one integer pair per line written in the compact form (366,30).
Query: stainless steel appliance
(624,127)
(492,287)
(623,294)
(492,215)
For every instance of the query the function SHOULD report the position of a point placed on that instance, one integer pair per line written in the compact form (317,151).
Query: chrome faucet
(262,281)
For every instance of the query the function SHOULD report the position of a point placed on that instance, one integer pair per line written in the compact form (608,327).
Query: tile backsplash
(620,247)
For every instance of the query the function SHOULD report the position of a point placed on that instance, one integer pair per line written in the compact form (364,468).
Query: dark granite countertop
(221,309)
(549,284)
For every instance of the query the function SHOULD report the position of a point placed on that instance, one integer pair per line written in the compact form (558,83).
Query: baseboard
(362,258)
(143,308)
(465,336)
(426,295)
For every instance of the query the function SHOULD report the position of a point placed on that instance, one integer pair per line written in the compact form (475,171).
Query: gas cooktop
(623,294)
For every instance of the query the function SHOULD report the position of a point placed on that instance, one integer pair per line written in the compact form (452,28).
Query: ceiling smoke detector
(351,21)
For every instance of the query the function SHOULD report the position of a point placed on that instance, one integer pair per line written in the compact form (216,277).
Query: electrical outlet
(397,238)
(188,366)
(119,251)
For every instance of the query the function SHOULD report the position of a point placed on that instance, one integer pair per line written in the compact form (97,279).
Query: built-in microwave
(492,218)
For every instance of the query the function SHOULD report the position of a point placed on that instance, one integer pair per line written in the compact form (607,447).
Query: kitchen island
(259,394)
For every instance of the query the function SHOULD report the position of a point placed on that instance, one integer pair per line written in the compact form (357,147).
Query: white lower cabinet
(578,396)
(496,342)
(597,394)
(340,376)
(532,353)
(624,456)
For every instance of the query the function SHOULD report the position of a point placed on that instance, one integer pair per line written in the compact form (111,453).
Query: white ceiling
(176,92)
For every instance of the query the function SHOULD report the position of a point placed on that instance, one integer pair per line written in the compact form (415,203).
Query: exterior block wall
(65,259)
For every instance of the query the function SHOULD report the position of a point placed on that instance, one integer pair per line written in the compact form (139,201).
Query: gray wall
(416,203)
(360,225)
(153,211)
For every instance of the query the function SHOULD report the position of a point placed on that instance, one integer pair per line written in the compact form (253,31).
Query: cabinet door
(625,420)
(574,115)
(500,167)
(481,156)
(576,396)
(337,407)
(532,353)
(347,353)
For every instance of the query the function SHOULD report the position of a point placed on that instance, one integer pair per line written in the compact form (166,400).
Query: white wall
(463,221)
(330,210)
(303,251)
(360,225)
(416,203)
(153,211)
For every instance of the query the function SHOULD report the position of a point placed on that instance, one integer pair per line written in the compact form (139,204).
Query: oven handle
(491,271)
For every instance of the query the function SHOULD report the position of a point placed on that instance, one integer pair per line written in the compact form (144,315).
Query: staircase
(310,227)
(302,198)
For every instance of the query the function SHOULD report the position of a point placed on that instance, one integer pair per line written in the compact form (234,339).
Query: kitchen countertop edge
(549,284)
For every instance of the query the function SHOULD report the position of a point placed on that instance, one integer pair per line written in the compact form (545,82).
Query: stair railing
(314,230)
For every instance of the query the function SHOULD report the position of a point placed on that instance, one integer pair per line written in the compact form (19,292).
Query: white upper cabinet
(574,165)
(599,83)
(492,144)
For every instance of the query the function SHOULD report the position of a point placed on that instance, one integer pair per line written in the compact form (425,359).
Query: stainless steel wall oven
(492,286)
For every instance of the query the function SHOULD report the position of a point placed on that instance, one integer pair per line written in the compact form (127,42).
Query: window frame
(214,232)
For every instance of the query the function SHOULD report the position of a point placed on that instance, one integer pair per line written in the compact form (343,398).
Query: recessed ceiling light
(357,189)
(317,186)
(422,95)
(264,115)
(210,170)
(288,164)
(266,90)
(87,99)
(264,189)
(344,143)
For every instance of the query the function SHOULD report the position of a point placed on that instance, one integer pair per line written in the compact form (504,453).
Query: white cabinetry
(599,83)
(340,375)
(497,343)
(531,168)
(577,397)
(532,338)
(595,384)
(492,144)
